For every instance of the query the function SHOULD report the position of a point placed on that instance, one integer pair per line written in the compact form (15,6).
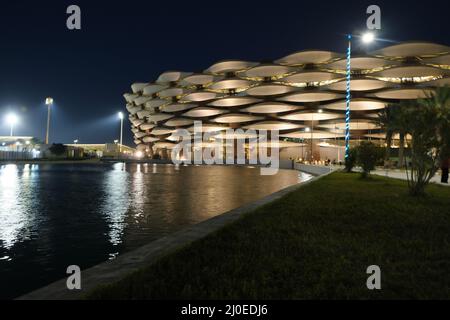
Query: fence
(16,155)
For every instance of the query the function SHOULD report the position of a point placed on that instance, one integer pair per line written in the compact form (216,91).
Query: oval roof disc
(269,90)
(360,85)
(208,128)
(134,110)
(359,104)
(441,60)
(233,101)
(172,76)
(308,57)
(228,84)
(202,112)
(406,93)
(155,103)
(160,131)
(199,96)
(236,118)
(410,72)
(315,134)
(273,125)
(311,76)
(141,100)
(355,124)
(137,87)
(265,71)
(362,63)
(172,92)
(140,134)
(223,67)
(129,97)
(143,113)
(178,107)
(178,122)
(153,88)
(147,126)
(198,79)
(313,96)
(149,139)
(164,145)
(413,49)
(271,107)
(159,117)
(137,122)
(311,116)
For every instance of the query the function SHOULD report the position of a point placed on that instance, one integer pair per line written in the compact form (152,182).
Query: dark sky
(122,42)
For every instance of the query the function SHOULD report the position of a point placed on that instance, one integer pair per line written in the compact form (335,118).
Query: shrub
(58,149)
(350,160)
(368,155)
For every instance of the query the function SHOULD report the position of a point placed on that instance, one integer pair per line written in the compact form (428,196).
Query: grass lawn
(315,242)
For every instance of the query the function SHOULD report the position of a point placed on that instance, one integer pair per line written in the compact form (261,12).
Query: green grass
(315,242)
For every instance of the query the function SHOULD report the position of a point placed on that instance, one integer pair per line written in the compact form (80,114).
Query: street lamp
(11,119)
(49,103)
(366,38)
(120,115)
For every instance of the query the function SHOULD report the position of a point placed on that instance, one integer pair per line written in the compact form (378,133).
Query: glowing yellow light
(139,154)
(368,37)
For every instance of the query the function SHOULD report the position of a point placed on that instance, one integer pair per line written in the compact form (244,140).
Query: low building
(107,150)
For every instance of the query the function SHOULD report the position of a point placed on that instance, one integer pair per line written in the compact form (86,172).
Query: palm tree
(439,100)
(428,121)
(392,120)
(386,122)
(401,127)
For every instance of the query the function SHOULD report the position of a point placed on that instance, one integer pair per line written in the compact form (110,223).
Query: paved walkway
(401,174)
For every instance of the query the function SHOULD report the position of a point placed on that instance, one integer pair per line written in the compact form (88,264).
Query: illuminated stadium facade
(302,95)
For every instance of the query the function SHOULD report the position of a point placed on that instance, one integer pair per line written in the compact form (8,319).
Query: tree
(392,120)
(401,127)
(58,149)
(428,121)
(386,122)
(367,155)
(350,160)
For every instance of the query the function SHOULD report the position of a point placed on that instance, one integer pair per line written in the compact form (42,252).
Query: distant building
(108,150)
(18,148)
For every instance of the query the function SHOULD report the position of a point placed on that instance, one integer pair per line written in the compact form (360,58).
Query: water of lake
(56,215)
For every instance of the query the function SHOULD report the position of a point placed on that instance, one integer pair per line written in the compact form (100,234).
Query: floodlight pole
(49,103)
(348,98)
(121,133)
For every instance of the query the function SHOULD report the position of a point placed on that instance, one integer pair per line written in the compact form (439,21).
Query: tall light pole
(11,119)
(366,38)
(120,114)
(49,103)
(348,98)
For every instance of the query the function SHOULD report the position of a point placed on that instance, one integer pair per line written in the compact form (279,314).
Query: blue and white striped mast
(348,98)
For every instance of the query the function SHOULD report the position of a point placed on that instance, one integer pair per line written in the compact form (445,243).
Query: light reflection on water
(54,215)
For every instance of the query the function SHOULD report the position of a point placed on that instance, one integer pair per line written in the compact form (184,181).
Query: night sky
(122,42)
